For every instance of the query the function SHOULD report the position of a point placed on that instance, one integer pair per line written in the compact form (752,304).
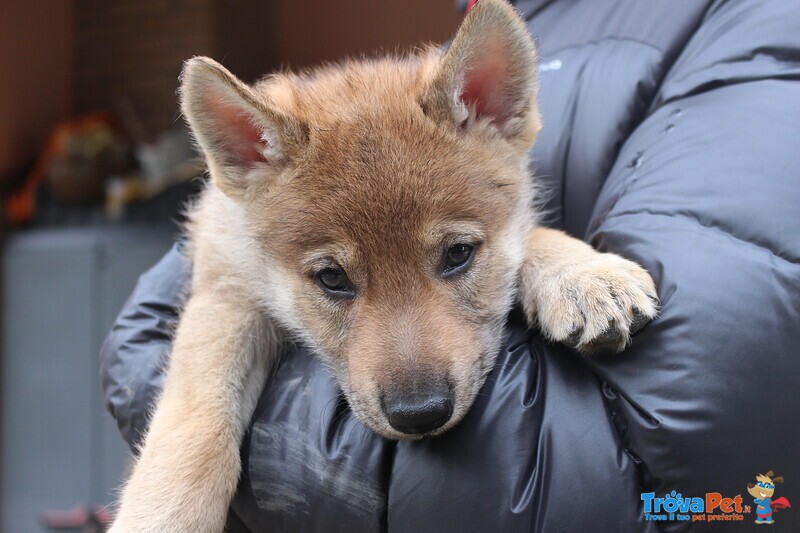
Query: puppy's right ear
(246,140)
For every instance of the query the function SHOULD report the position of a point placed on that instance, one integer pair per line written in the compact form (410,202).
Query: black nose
(419,412)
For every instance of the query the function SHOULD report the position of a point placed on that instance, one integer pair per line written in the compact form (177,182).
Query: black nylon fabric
(671,137)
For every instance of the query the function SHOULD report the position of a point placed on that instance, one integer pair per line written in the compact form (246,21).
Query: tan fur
(376,167)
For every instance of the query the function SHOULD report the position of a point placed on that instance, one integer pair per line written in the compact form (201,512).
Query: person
(670,137)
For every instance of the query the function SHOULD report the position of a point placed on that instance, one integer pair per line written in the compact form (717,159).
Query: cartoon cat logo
(762,492)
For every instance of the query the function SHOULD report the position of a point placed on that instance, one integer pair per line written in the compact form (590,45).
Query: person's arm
(133,357)
(705,194)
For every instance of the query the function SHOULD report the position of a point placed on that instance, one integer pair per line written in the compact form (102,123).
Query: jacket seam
(712,227)
(650,109)
(603,40)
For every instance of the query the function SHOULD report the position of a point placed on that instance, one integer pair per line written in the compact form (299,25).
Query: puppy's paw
(596,305)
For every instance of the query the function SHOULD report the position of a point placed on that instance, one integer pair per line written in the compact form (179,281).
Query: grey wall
(61,292)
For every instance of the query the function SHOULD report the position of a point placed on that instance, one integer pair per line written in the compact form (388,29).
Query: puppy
(380,212)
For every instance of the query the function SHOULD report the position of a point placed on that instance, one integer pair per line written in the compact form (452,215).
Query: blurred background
(95,165)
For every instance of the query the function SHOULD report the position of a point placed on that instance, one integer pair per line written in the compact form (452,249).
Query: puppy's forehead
(388,182)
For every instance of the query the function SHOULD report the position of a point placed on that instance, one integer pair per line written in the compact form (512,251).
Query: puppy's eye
(334,281)
(457,258)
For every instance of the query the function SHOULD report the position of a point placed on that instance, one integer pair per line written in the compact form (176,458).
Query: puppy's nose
(416,413)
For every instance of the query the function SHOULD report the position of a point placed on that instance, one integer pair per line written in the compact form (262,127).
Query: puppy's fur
(375,168)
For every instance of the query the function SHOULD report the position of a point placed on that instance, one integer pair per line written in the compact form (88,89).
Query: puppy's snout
(419,410)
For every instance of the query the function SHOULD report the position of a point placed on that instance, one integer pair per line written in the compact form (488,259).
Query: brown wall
(128,54)
(35,84)
(315,30)
(66,57)
(132,50)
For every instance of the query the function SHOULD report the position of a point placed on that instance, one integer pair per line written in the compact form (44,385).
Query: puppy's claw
(611,334)
(639,320)
(574,338)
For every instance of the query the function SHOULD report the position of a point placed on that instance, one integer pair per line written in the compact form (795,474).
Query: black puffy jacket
(672,137)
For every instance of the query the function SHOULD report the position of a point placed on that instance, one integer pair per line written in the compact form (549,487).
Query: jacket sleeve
(134,355)
(705,194)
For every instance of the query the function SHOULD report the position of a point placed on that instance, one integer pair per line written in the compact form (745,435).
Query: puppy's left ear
(488,75)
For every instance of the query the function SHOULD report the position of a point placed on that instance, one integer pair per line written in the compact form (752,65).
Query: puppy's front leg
(589,300)
(189,464)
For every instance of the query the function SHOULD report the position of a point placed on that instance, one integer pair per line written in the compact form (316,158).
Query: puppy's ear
(246,140)
(488,75)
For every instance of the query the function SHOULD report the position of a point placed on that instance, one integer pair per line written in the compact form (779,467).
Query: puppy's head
(389,202)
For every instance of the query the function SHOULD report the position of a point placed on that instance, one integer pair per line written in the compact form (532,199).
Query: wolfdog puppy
(381,212)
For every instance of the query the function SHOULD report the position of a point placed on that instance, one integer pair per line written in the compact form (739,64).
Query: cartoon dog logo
(762,491)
